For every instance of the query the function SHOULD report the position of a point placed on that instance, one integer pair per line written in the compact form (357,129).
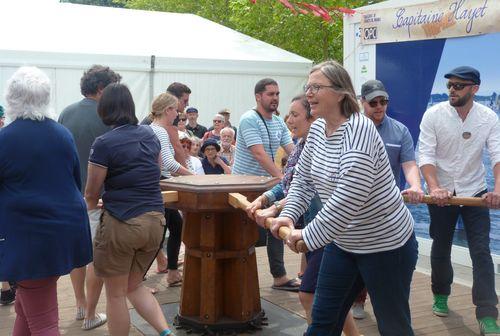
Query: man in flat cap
(453,135)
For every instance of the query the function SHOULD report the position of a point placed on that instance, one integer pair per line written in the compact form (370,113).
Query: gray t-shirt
(83,122)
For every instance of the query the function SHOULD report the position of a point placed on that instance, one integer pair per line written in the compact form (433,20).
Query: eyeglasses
(186,146)
(218,121)
(458,86)
(382,102)
(316,87)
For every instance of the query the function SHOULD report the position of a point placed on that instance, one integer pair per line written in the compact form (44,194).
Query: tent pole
(152,79)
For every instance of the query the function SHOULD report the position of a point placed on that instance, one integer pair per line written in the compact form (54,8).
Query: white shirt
(458,160)
(196,166)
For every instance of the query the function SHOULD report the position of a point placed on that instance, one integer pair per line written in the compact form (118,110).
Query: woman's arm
(95,180)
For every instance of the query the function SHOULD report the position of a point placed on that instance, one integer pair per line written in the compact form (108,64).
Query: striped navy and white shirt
(169,165)
(363,210)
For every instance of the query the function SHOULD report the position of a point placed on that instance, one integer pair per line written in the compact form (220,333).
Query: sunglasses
(458,86)
(217,121)
(382,102)
(186,146)
(182,119)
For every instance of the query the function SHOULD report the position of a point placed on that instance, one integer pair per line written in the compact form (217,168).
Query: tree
(314,32)
(105,3)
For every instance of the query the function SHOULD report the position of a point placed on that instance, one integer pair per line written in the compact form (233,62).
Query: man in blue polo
(399,146)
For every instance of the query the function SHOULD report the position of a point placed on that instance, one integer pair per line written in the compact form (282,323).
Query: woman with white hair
(41,206)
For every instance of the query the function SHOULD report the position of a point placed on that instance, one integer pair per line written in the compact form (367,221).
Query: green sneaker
(440,306)
(488,326)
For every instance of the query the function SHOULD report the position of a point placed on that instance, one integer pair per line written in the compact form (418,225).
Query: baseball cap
(224,111)
(372,89)
(466,73)
(191,110)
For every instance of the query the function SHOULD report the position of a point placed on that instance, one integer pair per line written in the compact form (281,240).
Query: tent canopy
(55,27)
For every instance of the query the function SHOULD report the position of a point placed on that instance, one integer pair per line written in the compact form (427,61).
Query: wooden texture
(220,284)
(239,201)
(466,201)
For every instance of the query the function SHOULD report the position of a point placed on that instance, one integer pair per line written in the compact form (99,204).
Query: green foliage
(106,3)
(267,20)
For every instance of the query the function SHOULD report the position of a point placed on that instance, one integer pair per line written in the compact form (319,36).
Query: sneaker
(440,306)
(488,326)
(7,296)
(358,311)
(97,321)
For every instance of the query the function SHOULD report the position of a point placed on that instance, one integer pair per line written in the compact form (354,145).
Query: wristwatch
(278,206)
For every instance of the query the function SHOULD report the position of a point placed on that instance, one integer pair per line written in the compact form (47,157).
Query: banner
(439,19)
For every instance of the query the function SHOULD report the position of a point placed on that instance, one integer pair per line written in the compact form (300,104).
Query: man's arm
(439,194)
(412,176)
(173,134)
(492,198)
(265,161)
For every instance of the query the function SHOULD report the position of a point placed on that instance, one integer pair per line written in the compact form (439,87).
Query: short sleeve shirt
(398,144)
(252,131)
(132,185)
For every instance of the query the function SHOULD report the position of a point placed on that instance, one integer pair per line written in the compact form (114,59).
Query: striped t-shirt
(169,165)
(363,210)
(252,131)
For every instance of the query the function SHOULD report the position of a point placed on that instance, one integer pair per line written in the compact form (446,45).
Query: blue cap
(191,110)
(466,73)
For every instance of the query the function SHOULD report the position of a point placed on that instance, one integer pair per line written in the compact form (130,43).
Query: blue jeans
(387,276)
(477,228)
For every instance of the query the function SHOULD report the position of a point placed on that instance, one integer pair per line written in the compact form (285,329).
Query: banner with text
(439,19)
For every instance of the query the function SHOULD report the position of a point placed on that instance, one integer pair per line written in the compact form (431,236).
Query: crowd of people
(95,210)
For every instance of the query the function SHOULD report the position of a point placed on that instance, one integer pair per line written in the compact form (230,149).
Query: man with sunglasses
(399,147)
(453,136)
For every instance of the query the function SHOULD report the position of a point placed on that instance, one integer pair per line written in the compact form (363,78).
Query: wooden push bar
(169,196)
(239,201)
(466,201)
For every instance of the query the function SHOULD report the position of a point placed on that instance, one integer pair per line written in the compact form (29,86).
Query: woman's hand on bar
(292,240)
(257,204)
(262,215)
(279,222)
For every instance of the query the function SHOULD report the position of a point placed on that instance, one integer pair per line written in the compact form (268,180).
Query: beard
(461,101)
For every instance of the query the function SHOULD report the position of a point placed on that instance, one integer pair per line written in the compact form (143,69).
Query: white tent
(149,49)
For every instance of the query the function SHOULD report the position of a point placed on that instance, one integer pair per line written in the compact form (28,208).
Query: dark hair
(178,89)
(261,85)
(97,78)
(116,106)
(303,101)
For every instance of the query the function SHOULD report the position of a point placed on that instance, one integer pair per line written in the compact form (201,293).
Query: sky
(481,52)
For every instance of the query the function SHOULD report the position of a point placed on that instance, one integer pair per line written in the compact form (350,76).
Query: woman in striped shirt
(367,229)
(163,113)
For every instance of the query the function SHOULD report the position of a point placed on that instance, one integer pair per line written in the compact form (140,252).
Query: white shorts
(94,220)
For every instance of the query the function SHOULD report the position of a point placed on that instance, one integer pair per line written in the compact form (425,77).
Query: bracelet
(278,206)
(166,332)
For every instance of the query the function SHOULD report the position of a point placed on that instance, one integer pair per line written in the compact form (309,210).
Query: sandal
(97,321)
(80,313)
(175,283)
(291,285)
